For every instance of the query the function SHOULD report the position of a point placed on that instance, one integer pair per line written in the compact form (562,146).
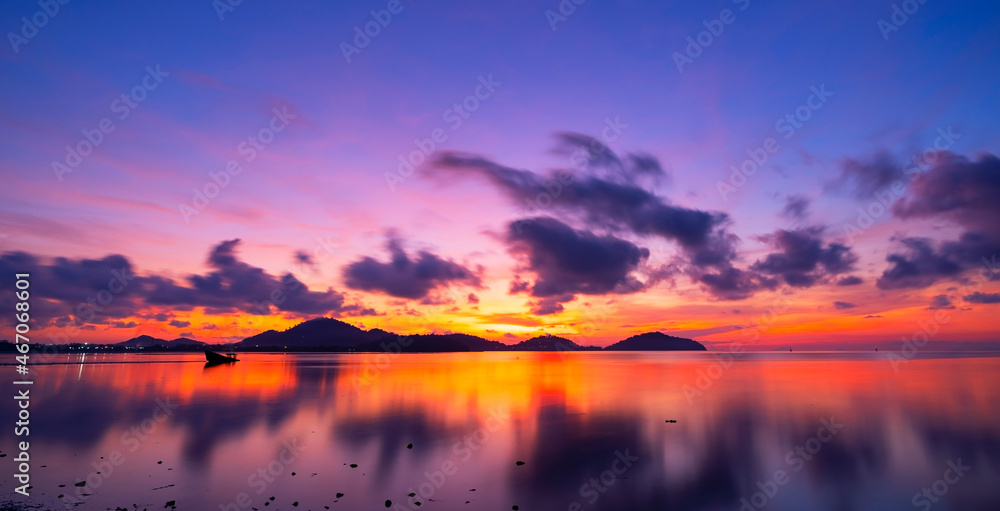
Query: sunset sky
(574,173)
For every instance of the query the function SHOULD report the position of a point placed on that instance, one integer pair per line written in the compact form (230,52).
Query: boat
(218,358)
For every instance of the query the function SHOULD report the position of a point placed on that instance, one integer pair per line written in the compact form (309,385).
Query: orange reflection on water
(565,414)
(261,377)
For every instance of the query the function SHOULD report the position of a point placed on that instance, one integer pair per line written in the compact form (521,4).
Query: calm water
(781,431)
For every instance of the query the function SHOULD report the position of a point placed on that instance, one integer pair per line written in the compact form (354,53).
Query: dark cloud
(960,189)
(963,192)
(940,302)
(594,156)
(180,324)
(978,297)
(850,280)
(75,291)
(235,285)
(550,305)
(106,290)
(735,284)
(919,267)
(567,261)
(843,305)
(611,194)
(404,277)
(472,298)
(872,316)
(304,258)
(358,310)
(796,207)
(863,178)
(802,260)
(518,285)
(434,298)
(608,194)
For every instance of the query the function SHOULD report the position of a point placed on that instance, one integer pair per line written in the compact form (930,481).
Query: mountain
(432,343)
(549,343)
(478,343)
(331,333)
(314,333)
(427,343)
(328,334)
(656,341)
(184,340)
(148,341)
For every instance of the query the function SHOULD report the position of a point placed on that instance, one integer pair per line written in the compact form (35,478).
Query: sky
(820,174)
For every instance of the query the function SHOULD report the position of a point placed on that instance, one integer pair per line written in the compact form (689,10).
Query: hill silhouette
(314,333)
(330,334)
(148,341)
(550,343)
(656,341)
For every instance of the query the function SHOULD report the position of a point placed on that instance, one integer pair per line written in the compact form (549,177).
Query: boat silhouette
(218,358)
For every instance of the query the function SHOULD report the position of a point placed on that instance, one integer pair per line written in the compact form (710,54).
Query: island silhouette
(332,335)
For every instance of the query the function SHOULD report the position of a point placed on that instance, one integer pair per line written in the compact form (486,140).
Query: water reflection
(591,429)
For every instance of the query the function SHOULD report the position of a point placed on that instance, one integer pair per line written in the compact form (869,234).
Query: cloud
(940,302)
(919,267)
(404,277)
(796,207)
(872,316)
(472,298)
(850,280)
(802,260)
(87,290)
(180,324)
(609,195)
(550,305)
(958,190)
(567,261)
(843,305)
(518,285)
(985,298)
(304,258)
(735,284)
(235,285)
(864,178)
(107,290)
